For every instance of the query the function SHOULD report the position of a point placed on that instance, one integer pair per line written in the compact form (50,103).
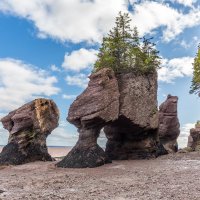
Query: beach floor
(167,177)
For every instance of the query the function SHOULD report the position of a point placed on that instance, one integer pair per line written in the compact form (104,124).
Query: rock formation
(134,134)
(96,106)
(194,138)
(29,127)
(126,107)
(169,127)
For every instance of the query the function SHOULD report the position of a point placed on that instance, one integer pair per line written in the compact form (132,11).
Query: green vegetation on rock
(195,87)
(123,50)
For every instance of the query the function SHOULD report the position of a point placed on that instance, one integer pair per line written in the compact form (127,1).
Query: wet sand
(174,177)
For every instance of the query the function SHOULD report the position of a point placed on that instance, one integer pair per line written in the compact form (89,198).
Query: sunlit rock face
(28,128)
(126,107)
(169,127)
(194,138)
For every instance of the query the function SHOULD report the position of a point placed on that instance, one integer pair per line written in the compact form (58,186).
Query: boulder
(194,138)
(169,127)
(126,107)
(28,128)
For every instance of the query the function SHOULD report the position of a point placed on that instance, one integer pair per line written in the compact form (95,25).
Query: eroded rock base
(13,155)
(83,158)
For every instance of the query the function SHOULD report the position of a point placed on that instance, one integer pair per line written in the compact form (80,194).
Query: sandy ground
(168,177)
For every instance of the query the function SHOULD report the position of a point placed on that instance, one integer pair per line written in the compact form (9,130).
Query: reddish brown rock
(194,138)
(169,127)
(96,106)
(126,106)
(29,127)
(134,134)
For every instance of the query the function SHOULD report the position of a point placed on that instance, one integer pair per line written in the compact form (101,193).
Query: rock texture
(134,134)
(126,107)
(96,106)
(169,127)
(194,138)
(29,127)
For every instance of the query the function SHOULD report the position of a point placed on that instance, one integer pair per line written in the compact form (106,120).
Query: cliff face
(194,138)
(126,107)
(169,127)
(29,127)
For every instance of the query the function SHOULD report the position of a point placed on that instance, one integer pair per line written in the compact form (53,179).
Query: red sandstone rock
(169,127)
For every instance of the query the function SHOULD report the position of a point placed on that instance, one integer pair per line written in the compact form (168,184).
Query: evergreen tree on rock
(123,50)
(195,87)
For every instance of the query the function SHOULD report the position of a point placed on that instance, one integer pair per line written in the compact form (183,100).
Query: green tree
(123,50)
(195,87)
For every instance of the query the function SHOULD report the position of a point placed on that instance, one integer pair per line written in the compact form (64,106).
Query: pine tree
(195,87)
(122,50)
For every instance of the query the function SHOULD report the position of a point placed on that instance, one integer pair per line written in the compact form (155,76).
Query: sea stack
(125,105)
(169,127)
(28,128)
(194,138)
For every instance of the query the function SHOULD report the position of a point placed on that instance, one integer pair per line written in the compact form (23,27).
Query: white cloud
(79,80)
(80,59)
(175,68)
(64,135)
(74,20)
(149,15)
(54,68)
(88,20)
(20,82)
(65,96)
(183,137)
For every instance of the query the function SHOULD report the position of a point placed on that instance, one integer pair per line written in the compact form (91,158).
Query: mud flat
(168,177)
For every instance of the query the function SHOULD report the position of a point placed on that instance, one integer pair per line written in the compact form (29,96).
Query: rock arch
(126,106)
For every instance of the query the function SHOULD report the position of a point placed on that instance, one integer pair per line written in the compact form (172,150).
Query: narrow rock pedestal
(169,127)
(194,138)
(29,127)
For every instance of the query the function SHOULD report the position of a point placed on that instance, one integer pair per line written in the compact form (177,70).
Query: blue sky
(48,48)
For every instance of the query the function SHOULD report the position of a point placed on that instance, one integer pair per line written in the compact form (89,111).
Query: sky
(48,49)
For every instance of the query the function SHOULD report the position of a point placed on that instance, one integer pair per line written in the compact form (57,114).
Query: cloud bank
(21,82)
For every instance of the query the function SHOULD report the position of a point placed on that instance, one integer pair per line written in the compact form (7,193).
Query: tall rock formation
(194,138)
(126,107)
(95,107)
(134,134)
(29,127)
(169,127)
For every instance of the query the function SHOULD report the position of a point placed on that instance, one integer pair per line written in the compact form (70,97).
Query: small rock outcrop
(194,138)
(126,107)
(169,127)
(29,127)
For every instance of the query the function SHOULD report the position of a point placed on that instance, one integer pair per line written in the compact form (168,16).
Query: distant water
(54,151)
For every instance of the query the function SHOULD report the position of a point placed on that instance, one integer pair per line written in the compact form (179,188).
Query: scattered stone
(1,191)
(29,127)
(169,127)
